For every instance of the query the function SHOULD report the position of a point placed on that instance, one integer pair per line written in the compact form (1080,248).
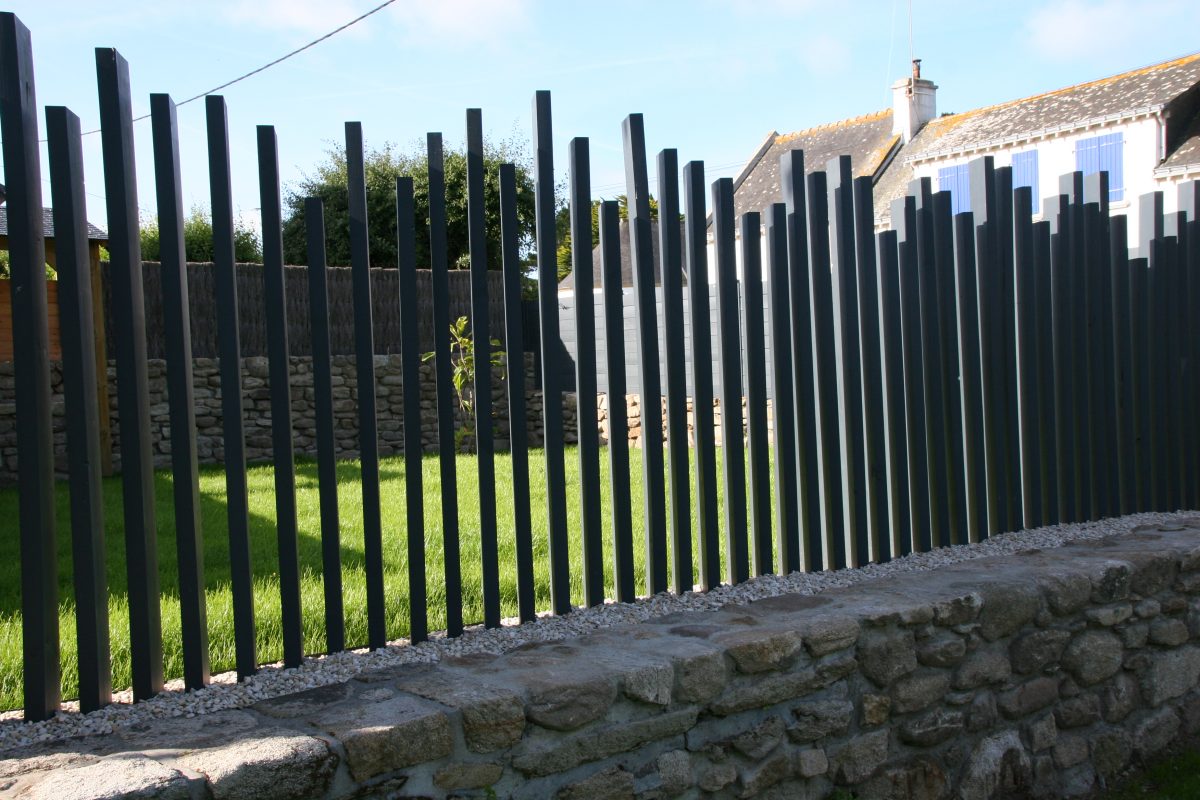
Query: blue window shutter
(1104,153)
(956,181)
(1025,173)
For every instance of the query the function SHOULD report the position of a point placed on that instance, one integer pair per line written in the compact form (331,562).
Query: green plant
(462,373)
(198,240)
(5,268)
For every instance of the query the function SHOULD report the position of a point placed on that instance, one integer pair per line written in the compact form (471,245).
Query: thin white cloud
(1070,30)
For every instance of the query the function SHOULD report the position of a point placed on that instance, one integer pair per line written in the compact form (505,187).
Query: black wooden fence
(950,379)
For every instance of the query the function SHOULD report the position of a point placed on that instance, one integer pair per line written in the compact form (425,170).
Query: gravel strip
(273,681)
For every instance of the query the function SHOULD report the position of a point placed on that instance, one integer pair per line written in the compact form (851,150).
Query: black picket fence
(956,377)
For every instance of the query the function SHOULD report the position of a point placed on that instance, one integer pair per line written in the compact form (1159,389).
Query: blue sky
(712,77)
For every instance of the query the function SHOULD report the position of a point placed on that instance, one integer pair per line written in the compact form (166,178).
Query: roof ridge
(842,123)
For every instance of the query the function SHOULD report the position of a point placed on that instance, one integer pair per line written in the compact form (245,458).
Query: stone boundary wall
(257,409)
(1044,674)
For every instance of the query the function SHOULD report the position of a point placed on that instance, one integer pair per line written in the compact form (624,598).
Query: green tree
(563,219)
(198,240)
(381,168)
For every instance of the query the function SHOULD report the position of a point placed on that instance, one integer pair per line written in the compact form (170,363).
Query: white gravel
(273,681)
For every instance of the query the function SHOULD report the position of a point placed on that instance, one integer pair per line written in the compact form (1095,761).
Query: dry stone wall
(1045,674)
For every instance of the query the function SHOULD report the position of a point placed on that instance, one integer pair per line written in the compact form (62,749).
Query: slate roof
(94,233)
(868,140)
(568,283)
(1187,154)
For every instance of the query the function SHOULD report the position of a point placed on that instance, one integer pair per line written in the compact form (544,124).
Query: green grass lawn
(265,555)
(1174,778)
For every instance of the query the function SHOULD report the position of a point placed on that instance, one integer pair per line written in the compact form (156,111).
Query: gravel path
(273,681)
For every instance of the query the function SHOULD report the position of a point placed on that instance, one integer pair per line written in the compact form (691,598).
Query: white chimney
(914,102)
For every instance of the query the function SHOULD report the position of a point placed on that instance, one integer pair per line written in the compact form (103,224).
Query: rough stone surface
(274,764)
(1033,651)
(919,691)
(998,765)
(1171,674)
(1093,656)
(1006,609)
(465,776)
(932,728)
(884,656)
(857,759)
(945,650)
(1078,712)
(987,665)
(811,763)
(1027,698)
(383,737)
(1153,732)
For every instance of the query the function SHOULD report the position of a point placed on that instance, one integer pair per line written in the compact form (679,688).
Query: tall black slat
(733,460)
(787,509)
(753,335)
(650,395)
(989,285)
(364,367)
(618,424)
(322,378)
(1171,310)
(1026,343)
(804,381)
(1122,364)
(585,372)
(969,253)
(133,394)
(873,399)
(446,401)
(671,254)
(1142,387)
(1158,281)
(1079,347)
(1191,255)
(955,498)
(1012,429)
(410,354)
(185,484)
(481,339)
(1044,350)
(514,362)
(275,299)
(833,525)
(708,525)
(1096,279)
(82,412)
(1060,319)
(849,364)
(892,354)
(233,429)
(547,272)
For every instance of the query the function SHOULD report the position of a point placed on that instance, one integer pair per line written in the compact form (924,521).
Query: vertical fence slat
(1044,350)
(1080,364)
(873,397)
(1140,372)
(185,483)
(275,299)
(787,510)
(671,256)
(514,363)
(1122,364)
(547,272)
(1026,344)
(322,372)
(410,354)
(1192,265)
(733,460)
(233,431)
(446,401)
(849,364)
(1095,276)
(804,382)
(133,394)
(833,524)
(485,445)
(1012,431)
(364,361)
(1173,312)
(1156,340)
(892,356)
(65,147)
(753,335)
(955,497)
(585,372)
(650,393)
(702,379)
(618,424)
(969,252)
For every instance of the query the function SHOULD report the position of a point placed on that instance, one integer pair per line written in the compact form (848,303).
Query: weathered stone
(388,736)
(884,655)
(918,691)
(466,775)
(1043,733)
(766,774)
(944,650)
(1027,698)
(1078,712)
(998,767)
(1154,731)
(564,753)
(1108,616)
(811,763)
(1071,749)
(1134,635)
(1168,631)
(303,704)
(1171,674)
(675,772)
(857,759)
(1111,751)
(828,634)
(1006,609)
(1093,656)
(922,779)
(493,717)
(933,727)
(816,719)
(700,676)
(1077,781)
(1066,593)
(1112,583)
(123,777)
(957,610)
(1034,651)
(760,650)
(611,784)
(1147,608)
(566,703)
(1119,698)
(1153,572)
(987,665)
(981,714)
(1190,562)
(275,763)
(876,708)
(717,777)
(761,739)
